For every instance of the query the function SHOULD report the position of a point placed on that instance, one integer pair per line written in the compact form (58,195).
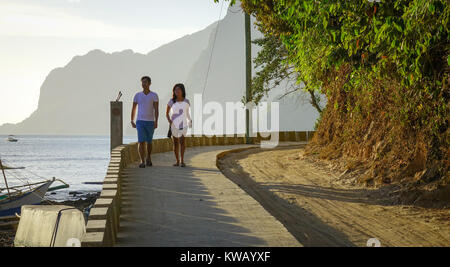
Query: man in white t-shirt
(147,119)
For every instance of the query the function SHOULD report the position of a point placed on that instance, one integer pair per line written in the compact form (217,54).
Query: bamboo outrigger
(29,194)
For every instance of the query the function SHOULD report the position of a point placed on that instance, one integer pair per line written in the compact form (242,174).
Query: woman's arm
(168,114)
(188,115)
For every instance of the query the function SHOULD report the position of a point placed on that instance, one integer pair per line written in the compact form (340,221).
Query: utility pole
(248,58)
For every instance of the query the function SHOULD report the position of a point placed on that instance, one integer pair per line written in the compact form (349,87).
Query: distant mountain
(226,80)
(75,99)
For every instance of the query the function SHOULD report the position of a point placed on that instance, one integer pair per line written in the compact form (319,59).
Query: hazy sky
(37,36)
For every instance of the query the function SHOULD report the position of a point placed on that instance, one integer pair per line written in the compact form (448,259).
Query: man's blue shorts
(145,130)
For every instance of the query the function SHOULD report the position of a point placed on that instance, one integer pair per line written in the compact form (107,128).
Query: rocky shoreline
(7,238)
(84,204)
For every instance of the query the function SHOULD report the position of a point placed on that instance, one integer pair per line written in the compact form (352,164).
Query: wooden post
(116,124)
(4,176)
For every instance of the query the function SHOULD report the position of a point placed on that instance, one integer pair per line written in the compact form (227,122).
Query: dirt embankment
(321,209)
(387,134)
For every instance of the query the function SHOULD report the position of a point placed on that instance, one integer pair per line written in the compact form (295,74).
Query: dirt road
(319,211)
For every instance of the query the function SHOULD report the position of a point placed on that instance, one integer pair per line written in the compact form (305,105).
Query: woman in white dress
(179,117)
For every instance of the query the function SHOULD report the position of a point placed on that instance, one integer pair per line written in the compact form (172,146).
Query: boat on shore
(11,203)
(13,198)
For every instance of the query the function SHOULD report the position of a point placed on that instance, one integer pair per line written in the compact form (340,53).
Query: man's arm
(156,106)
(133,114)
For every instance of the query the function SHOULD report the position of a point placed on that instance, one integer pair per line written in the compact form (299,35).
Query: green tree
(405,40)
(274,68)
(382,63)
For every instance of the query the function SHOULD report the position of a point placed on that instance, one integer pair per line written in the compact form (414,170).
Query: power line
(212,50)
(235,11)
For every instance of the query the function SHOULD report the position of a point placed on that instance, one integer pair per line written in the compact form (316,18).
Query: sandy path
(319,212)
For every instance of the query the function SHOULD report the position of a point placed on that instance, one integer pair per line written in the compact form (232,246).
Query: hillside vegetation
(384,68)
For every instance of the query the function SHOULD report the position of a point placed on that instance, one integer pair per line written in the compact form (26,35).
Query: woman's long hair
(183,89)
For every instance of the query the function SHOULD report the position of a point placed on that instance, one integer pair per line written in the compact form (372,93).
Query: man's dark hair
(146,78)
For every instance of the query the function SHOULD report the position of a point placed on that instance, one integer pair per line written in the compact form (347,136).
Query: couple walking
(177,114)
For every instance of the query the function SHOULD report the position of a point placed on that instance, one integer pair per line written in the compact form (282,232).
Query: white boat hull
(9,207)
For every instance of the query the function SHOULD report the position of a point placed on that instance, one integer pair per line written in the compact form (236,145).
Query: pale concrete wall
(104,219)
(39,226)
(116,124)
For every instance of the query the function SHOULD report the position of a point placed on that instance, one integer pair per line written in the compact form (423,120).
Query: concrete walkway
(195,206)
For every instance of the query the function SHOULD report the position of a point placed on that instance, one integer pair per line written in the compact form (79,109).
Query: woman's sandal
(149,163)
(176,164)
(183,165)
(142,166)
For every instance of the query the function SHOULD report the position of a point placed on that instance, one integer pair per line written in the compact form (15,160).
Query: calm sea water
(74,159)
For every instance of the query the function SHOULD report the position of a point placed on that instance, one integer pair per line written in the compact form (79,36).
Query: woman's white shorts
(177,133)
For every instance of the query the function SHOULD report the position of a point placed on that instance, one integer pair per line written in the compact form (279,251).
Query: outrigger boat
(15,197)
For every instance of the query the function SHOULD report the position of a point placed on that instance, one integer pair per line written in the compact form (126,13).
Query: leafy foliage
(408,40)
(383,63)
(274,69)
